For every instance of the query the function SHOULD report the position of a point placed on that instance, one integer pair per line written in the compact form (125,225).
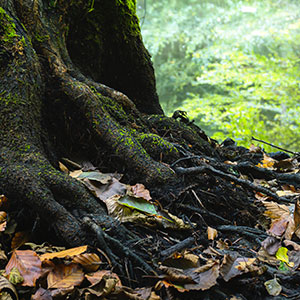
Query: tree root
(246,183)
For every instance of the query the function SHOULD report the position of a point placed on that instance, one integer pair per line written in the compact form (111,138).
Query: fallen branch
(242,182)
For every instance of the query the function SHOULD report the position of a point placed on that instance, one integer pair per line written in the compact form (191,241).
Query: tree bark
(57,60)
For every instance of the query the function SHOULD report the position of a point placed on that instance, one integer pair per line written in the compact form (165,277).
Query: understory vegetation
(233,66)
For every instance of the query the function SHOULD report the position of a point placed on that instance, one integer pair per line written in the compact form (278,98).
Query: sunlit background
(233,66)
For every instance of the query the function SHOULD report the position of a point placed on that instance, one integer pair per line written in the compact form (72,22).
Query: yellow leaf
(211,233)
(267,162)
(281,255)
(62,254)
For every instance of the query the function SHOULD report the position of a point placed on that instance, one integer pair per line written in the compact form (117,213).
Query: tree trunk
(57,59)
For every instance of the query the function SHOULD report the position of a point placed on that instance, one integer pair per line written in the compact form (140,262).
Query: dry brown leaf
(28,264)
(5,284)
(211,233)
(65,253)
(275,210)
(168,284)
(222,245)
(3,220)
(42,294)
(294,259)
(176,275)
(279,227)
(287,193)
(271,245)
(246,265)
(140,191)
(61,293)
(293,244)
(231,266)
(204,277)
(65,276)
(261,196)
(3,257)
(286,164)
(290,230)
(263,256)
(254,149)
(63,168)
(3,202)
(297,214)
(146,294)
(182,261)
(89,261)
(105,191)
(19,239)
(98,276)
(288,187)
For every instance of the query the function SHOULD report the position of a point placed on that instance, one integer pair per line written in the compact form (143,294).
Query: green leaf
(139,204)
(94,175)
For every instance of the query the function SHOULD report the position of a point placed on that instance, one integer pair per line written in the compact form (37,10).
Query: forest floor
(229,230)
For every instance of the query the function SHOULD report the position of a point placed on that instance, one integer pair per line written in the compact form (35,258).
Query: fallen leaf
(275,210)
(182,261)
(3,220)
(19,239)
(3,202)
(97,277)
(297,216)
(42,294)
(211,233)
(286,193)
(139,191)
(273,287)
(232,267)
(92,175)
(63,168)
(294,257)
(254,149)
(293,244)
(28,264)
(286,164)
(65,253)
(205,277)
(5,284)
(65,276)
(278,227)
(281,255)
(271,245)
(267,162)
(105,191)
(89,261)
(263,256)
(244,265)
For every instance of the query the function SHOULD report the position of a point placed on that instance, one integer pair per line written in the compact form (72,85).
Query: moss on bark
(50,100)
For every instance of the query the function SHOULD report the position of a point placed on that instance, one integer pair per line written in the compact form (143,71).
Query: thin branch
(274,146)
(243,182)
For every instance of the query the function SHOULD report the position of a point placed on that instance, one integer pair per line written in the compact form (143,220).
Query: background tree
(232,65)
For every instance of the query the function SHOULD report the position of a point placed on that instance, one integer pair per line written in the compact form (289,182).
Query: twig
(243,182)
(274,146)
(244,230)
(178,247)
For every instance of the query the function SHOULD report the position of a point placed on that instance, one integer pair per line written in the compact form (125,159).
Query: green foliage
(232,65)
